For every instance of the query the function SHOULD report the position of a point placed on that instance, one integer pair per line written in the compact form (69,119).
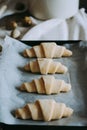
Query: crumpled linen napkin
(74,28)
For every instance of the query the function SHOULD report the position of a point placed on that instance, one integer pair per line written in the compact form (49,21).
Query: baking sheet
(11,77)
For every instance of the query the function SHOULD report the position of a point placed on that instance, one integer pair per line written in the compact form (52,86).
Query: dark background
(83,4)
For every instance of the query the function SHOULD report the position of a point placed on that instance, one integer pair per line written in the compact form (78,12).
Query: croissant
(46,85)
(47,50)
(44,109)
(45,66)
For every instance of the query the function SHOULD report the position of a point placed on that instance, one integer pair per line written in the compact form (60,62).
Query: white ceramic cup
(46,9)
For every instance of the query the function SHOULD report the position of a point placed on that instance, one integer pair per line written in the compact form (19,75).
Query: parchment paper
(11,77)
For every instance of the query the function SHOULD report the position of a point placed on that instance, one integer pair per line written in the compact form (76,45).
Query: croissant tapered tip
(68,112)
(71,111)
(67,53)
(66,87)
(22,87)
(27,67)
(23,113)
(17,113)
(25,53)
(64,69)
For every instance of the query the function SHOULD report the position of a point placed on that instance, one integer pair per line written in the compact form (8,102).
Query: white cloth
(74,28)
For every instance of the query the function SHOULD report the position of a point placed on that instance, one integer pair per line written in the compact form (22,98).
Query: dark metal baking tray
(78,79)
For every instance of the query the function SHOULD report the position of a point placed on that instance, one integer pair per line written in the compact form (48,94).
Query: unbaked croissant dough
(45,66)
(44,109)
(46,85)
(47,50)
